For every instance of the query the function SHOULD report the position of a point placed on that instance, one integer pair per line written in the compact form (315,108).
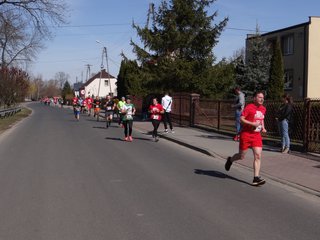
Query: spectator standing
(238,105)
(166,103)
(284,117)
(252,119)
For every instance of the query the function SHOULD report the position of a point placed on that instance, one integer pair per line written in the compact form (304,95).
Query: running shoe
(130,139)
(166,131)
(228,164)
(126,138)
(172,131)
(257,181)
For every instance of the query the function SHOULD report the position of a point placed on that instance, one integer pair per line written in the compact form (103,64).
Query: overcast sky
(110,21)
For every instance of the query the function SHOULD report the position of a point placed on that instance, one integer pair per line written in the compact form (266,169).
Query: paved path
(293,169)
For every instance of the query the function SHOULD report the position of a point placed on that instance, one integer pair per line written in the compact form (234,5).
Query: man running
(128,110)
(96,104)
(89,104)
(120,104)
(109,108)
(252,118)
(156,111)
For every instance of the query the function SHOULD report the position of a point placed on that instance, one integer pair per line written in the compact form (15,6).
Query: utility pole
(88,71)
(105,54)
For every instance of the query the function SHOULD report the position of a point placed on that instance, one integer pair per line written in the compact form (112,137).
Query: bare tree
(61,77)
(25,24)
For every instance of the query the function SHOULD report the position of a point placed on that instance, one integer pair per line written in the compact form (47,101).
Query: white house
(101,84)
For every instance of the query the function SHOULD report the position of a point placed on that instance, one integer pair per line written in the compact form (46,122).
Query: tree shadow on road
(217,174)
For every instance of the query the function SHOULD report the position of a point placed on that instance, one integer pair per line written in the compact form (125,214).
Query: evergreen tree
(276,81)
(258,64)
(178,48)
(66,90)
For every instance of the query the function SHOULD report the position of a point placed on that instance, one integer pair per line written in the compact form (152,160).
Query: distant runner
(128,110)
(109,108)
(96,105)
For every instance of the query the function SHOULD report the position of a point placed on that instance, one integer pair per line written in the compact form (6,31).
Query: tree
(66,90)
(276,81)
(62,78)
(177,51)
(14,85)
(25,24)
(257,68)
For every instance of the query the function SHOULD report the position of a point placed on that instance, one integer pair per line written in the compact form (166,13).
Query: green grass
(6,123)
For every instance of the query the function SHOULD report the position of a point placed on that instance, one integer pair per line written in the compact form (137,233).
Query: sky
(75,46)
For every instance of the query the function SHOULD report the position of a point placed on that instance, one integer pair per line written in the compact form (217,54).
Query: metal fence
(218,115)
(9,112)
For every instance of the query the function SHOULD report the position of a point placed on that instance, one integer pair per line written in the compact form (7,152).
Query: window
(287,45)
(106,83)
(288,79)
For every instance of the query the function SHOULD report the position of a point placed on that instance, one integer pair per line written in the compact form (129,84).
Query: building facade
(101,84)
(301,57)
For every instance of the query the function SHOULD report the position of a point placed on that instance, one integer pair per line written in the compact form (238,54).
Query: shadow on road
(218,174)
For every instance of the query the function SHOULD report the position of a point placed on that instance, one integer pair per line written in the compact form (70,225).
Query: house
(301,57)
(101,84)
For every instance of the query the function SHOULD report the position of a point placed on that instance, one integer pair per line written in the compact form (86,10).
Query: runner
(89,101)
(156,110)
(128,110)
(120,104)
(76,110)
(252,119)
(96,104)
(109,108)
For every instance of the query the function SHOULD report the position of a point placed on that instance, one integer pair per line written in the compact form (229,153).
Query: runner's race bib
(156,117)
(109,108)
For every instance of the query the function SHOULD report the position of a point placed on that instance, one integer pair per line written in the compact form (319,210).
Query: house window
(287,44)
(106,83)
(288,79)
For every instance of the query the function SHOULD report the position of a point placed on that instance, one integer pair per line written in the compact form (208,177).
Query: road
(63,180)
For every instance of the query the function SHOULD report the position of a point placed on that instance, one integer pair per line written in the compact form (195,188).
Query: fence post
(194,102)
(306,126)
(219,114)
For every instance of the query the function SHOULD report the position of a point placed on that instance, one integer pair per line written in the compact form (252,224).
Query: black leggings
(155,124)
(127,124)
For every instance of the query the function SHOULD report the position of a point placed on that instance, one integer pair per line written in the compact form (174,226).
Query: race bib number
(258,129)
(129,117)
(109,108)
(156,117)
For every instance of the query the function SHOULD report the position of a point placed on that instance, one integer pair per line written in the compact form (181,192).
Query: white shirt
(166,103)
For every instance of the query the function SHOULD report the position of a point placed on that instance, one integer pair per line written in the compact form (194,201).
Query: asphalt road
(62,180)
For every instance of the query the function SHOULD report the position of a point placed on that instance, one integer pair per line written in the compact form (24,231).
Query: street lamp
(104,53)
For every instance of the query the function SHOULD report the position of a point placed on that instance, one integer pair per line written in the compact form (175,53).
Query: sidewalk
(293,169)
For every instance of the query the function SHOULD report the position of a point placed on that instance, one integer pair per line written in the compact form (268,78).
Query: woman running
(156,110)
(128,110)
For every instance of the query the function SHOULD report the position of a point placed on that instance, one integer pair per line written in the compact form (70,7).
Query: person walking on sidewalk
(156,111)
(238,105)
(166,103)
(252,118)
(284,117)
(128,110)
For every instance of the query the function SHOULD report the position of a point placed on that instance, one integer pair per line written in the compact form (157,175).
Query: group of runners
(125,110)
(251,118)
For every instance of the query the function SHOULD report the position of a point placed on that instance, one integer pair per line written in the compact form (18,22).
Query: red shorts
(250,140)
